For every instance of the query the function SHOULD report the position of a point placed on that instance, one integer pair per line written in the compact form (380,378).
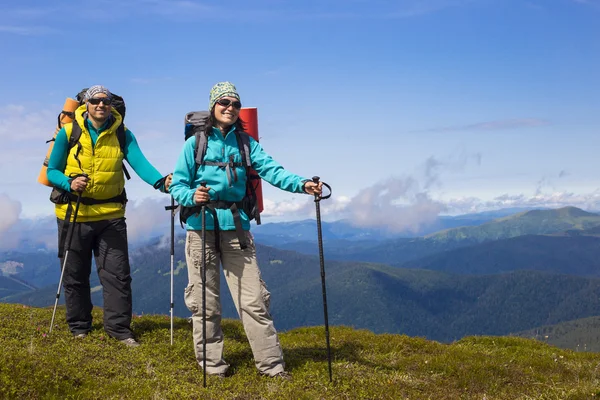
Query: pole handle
(316,179)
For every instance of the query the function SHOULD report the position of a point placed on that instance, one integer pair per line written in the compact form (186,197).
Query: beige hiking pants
(249,294)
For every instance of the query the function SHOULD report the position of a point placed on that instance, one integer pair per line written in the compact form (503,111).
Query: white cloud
(35,21)
(398,204)
(10,267)
(507,124)
(10,211)
(282,208)
(26,30)
(405,203)
(331,209)
(145,219)
(20,123)
(148,218)
(585,201)
(421,7)
(595,3)
(9,216)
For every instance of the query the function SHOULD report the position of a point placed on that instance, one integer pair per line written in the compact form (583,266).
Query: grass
(38,365)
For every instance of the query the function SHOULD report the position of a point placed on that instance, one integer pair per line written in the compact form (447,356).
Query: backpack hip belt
(59,196)
(212,206)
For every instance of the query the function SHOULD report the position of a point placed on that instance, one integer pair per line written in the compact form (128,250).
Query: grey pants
(249,294)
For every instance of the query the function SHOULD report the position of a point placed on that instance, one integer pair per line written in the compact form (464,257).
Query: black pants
(108,242)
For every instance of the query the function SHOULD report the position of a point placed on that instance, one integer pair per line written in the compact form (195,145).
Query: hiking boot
(130,342)
(82,335)
(283,375)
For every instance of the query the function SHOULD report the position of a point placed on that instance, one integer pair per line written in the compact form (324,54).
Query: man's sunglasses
(227,103)
(97,100)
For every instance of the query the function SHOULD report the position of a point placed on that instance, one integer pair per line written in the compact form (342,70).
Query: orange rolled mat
(70,106)
(250,117)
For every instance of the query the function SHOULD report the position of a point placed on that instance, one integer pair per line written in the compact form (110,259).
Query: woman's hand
(313,188)
(201,195)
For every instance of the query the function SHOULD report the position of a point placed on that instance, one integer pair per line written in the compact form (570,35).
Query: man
(93,169)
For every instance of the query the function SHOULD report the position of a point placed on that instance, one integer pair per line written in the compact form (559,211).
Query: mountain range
(512,274)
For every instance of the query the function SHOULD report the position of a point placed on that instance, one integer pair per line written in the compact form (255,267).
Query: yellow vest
(103,163)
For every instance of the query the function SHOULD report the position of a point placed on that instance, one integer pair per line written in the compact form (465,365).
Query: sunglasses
(97,100)
(226,103)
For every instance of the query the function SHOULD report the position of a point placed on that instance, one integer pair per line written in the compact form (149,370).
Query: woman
(239,264)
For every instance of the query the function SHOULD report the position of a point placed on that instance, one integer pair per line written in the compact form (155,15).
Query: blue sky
(408,109)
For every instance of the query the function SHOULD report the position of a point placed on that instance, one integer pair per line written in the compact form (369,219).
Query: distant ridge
(578,335)
(533,222)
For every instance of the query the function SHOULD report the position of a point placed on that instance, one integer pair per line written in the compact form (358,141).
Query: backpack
(118,104)
(196,125)
(58,196)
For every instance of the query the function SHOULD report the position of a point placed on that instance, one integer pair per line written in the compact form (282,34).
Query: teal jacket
(187,177)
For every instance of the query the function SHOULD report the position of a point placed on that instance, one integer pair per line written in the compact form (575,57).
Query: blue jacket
(187,177)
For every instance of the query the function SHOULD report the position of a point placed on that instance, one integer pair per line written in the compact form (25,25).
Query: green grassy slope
(36,365)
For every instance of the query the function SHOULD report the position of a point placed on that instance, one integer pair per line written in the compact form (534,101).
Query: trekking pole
(318,198)
(64,265)
(172,260)
(173,210)
(203,184)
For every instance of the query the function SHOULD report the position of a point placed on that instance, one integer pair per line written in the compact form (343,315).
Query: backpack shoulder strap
(122,140)
(76,135)
(243,140)
(121,136)
(250,199)
(200,148)
(74,141)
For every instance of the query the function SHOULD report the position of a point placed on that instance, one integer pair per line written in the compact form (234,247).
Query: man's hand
(201,195)
(79,184)
(168,181)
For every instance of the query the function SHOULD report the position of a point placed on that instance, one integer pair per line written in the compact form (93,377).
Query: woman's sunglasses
(97,100)
(227,103)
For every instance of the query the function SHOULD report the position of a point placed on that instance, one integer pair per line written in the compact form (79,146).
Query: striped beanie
(221,89)
(94,90)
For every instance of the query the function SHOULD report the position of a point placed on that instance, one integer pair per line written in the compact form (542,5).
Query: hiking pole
(203,184)
(172,259)
(64,265)
(173,210)
(318,198)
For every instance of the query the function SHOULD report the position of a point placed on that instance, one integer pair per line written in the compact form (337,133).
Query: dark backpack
(118,104)
(58,196)
(196,125)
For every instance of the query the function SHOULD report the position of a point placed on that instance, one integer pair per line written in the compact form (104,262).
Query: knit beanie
(94,90)
(221,89)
